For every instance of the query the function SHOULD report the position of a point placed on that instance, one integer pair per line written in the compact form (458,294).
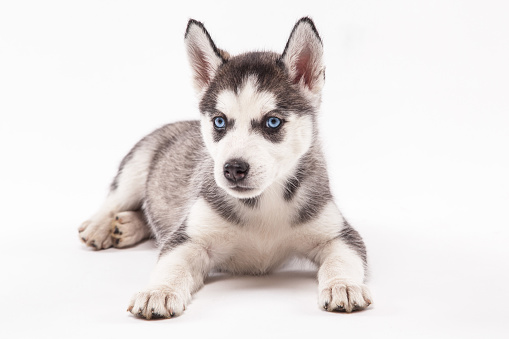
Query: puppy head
(257,109)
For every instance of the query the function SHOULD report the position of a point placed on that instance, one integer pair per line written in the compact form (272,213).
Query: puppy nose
(236,170)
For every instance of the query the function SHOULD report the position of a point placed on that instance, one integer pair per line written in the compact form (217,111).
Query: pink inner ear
(304,67)
(201,67)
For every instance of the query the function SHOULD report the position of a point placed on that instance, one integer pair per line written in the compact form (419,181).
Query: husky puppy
(243,189)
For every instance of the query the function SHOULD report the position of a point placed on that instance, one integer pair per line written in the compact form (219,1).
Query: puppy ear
(303,56)
(204,56)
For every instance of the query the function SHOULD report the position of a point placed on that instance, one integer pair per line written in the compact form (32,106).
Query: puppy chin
(243,193)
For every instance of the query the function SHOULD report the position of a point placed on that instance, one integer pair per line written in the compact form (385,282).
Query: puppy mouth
(243,192)
(239,188)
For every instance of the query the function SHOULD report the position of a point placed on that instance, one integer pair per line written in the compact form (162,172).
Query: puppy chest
(255,252)
(261,240)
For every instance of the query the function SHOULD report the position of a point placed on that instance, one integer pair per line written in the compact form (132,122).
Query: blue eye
(273,122)
(219,122)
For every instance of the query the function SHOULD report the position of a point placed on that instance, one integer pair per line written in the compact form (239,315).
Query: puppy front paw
(159,302)
(342,296)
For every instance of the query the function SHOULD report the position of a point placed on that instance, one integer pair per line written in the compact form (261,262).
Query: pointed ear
(303,56)
(204,56)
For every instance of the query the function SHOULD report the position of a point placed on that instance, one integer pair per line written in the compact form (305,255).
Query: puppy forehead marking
(247,103)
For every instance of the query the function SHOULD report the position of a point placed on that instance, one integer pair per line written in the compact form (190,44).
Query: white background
(415,122)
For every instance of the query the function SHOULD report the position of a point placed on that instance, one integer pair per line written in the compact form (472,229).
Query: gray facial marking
(271,74)
(218,134)
(274,135)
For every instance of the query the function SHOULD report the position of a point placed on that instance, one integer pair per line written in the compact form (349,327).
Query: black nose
(236,170)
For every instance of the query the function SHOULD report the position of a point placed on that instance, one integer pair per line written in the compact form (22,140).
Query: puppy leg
(127,194)
(341,278)
(340,253)
(96,232)
(179,273)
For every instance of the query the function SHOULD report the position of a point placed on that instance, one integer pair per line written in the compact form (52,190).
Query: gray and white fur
(242,190)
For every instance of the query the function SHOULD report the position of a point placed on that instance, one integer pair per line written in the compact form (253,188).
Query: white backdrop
(415,122)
